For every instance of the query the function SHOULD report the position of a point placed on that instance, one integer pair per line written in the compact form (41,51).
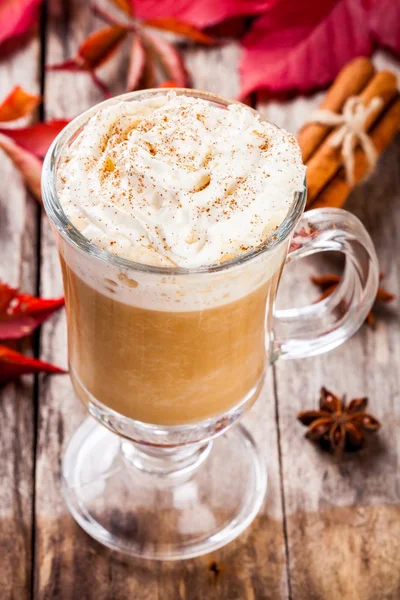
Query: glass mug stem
(166,464)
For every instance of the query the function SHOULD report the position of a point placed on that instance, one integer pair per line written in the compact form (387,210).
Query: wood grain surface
(19,268)
(343,518)
(328,529)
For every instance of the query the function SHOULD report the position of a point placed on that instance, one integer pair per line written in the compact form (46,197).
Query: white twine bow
(352,131)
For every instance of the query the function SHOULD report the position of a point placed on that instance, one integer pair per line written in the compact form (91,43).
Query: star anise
(337,426)
(329,282)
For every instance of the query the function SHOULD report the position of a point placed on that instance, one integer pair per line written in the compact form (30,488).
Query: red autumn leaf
(303,47)
(20,314)
(168,56)
(28,164)
(149,73)
(124,5)
(17,104)
(384,22)
(95,50)
(168,84)
(100,84)
(36,138)
(200,14)
(7,293)
(137,61)
(180,28)
(68,65)
(100,46)
(17,16)
(13,364)
(108,16)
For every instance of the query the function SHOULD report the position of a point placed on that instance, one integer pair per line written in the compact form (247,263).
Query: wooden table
(328,530)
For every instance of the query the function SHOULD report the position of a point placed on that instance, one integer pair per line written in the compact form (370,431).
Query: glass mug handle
(320,327)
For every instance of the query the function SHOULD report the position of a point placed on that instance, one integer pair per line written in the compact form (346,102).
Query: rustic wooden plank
(18,267)
(343,518)
(57,574)
(68,563)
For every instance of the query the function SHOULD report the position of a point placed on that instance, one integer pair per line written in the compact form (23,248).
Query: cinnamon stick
(327,160)
(382,133)
(350,81)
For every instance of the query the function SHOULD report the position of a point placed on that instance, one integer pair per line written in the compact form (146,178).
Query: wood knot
(214,568)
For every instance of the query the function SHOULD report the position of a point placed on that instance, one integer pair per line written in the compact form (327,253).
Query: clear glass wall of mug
(167,359)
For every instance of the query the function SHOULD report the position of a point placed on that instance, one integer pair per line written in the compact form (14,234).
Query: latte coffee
(167,323)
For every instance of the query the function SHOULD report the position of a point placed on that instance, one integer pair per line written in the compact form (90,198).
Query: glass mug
(166,360)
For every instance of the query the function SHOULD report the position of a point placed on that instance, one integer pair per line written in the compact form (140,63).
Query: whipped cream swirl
(175,180)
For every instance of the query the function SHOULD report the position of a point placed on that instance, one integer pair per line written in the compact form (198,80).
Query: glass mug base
(131,502)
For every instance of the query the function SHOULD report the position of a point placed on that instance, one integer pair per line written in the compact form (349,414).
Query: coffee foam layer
(175,180)
(174,293)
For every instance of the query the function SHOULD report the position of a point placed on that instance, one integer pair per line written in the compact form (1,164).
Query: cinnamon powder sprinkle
(179,177)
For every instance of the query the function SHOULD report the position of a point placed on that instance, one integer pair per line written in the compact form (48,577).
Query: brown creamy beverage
(167,324)
(166,367)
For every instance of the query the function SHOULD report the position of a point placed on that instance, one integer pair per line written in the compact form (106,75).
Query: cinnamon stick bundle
(327,180)
(327,160)
(336,191)
(351,80)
